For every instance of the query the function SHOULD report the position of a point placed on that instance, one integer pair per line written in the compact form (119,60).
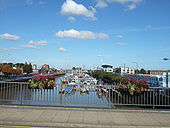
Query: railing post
(153,106)
(109,96)
(20,87)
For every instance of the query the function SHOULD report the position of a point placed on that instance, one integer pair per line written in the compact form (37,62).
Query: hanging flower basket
(42,82)
(131,86)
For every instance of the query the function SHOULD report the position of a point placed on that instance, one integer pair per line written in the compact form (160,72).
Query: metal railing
(12,78)
(105,96)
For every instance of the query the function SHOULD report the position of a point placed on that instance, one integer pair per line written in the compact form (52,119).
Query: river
(52,97)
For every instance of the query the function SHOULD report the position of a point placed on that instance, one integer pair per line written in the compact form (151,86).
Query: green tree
(27,68)
(107,77)
(142,71)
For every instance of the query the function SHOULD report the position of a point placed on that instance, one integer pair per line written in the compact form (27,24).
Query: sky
(86,33)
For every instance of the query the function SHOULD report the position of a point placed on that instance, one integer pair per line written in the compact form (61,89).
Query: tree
(142,71)
(17,71)
(137,71)
(6,69)
(27,68)
(107,77)
(73,68)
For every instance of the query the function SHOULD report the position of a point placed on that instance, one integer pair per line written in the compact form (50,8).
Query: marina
(74,94)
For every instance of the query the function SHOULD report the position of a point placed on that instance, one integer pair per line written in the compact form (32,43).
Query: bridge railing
(10,78)
(107,96)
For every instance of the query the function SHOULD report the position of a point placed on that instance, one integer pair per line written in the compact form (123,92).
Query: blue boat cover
(68,89)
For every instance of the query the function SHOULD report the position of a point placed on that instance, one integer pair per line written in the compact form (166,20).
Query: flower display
(42,82)
(133,85)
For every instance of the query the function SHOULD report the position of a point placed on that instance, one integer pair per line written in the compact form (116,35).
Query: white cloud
(33,44)
(7,49)
(131,7)
(130,4)
(80,34)
(39,43)
(71,19)
(101,3)
(72,8)
(29,46)
(62,50)
(121,44)
(7,36)
(125,1)
(29,2)
(119,36)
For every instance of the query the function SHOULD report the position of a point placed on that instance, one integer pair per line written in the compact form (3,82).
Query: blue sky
(67,33)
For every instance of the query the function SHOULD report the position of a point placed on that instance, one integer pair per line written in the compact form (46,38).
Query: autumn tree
(6,69)
(17,71)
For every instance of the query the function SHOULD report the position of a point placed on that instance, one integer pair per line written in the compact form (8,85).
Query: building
(45,66)
(153,80)
(166,79)
(125,70)
(107,68)
(78,71)
(156,72)
(34,66)
(35,69)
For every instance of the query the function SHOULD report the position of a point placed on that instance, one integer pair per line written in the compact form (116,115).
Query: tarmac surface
(60,117)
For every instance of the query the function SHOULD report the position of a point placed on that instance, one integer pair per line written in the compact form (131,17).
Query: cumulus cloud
(121,44)
(80,34)
(72,8)
(62,50)
(101,3)
(39,43)
(7,36)
(71,19)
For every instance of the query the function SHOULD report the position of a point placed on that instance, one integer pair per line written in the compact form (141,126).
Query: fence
(12,78)
(105,96)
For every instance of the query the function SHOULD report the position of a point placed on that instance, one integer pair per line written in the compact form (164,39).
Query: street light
(166,59)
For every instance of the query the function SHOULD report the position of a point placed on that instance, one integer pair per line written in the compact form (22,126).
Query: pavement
(60,117)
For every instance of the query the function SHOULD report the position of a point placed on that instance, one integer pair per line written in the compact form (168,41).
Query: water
(52,97)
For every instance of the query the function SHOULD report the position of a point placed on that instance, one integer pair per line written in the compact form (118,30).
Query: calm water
(52,97)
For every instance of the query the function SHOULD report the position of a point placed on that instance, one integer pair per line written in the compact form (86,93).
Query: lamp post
(166,59)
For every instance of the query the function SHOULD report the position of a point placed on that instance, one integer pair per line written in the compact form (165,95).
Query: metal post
(109,96)
(20,87)
(166,78)
(153,105)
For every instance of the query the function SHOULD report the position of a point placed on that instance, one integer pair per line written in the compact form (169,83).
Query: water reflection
(21,94)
